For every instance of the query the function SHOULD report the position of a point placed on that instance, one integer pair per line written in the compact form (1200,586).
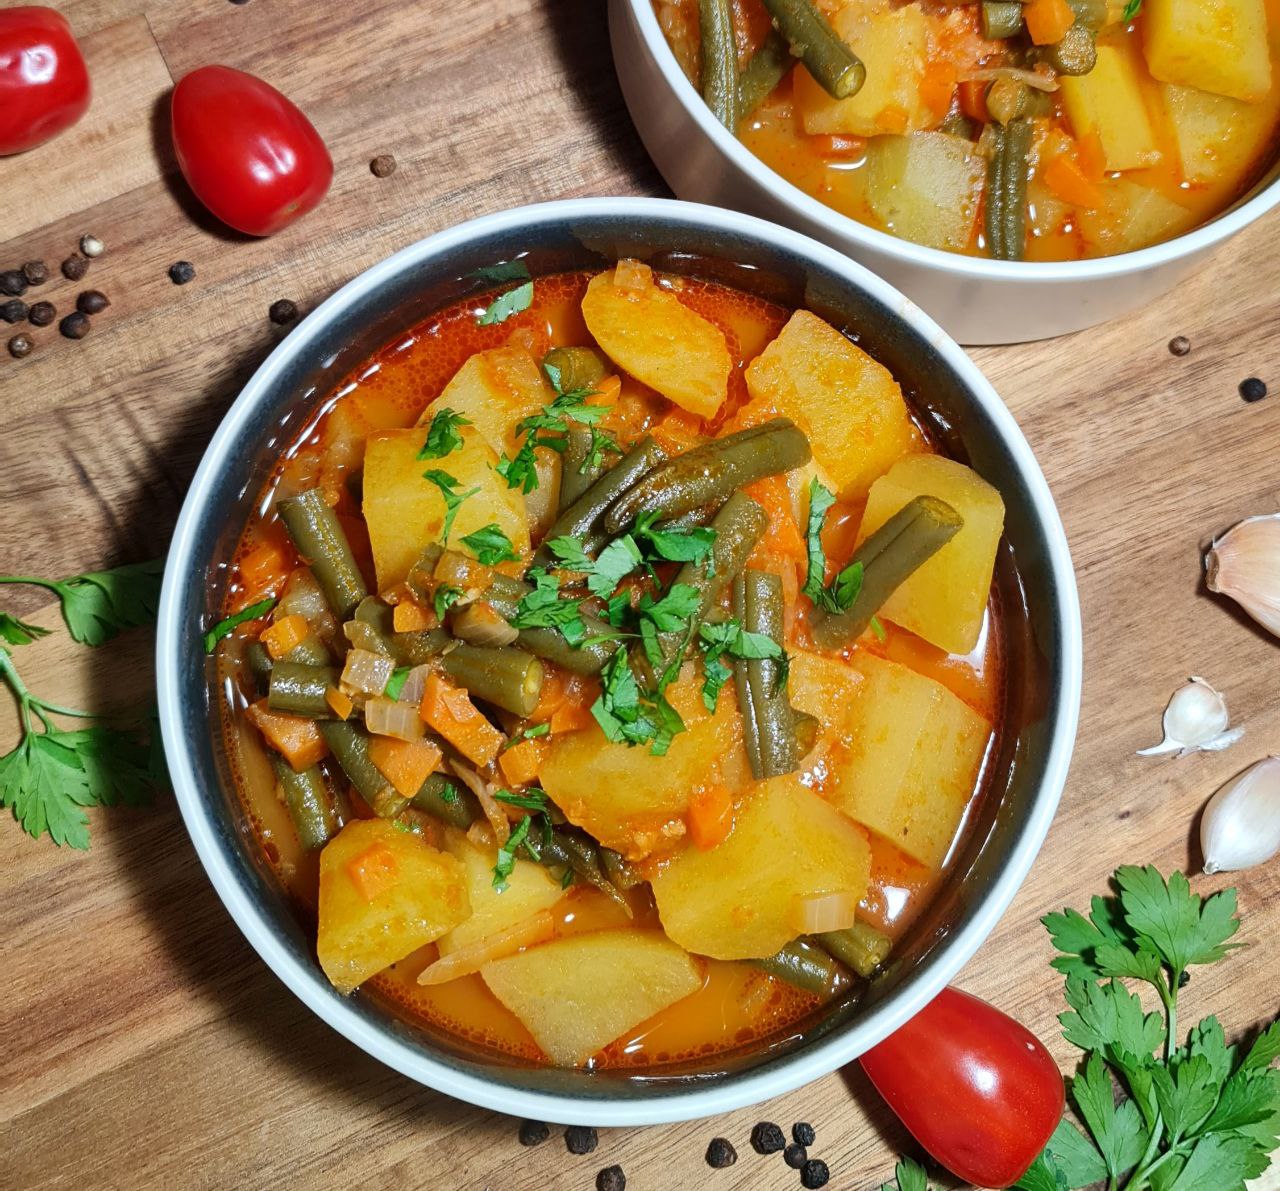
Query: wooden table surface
(144,1043)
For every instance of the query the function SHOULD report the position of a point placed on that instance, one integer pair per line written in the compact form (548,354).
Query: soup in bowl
(618,682)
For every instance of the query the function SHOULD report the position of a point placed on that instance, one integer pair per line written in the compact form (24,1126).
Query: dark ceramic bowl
(1034,579)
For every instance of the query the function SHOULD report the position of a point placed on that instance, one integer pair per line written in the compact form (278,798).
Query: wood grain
(144,1043)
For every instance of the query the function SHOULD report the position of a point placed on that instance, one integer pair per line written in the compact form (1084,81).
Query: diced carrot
(570,717)
(1048,20)
(607,391)
(710,817)
(448,710)
(1091,156)
(341,704)
(893,119)
(678,431)
(296,739)
(409,616)
(551,695)
(404,763)
(938,86)
(265,568)
(373,871)
(973,100)
(521,763)
(473,956)
(783,535)
(286,634)
(837,145)
(1064,176)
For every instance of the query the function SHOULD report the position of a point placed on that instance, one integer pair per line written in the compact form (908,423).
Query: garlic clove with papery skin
(1245,564)
(1195,721)
(1241,823)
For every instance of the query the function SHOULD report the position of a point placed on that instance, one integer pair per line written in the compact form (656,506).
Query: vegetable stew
(611,668)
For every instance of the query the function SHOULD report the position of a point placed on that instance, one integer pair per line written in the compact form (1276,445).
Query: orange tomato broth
(830,167)
(737,1005)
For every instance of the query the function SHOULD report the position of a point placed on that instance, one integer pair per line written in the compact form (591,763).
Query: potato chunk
(945,600)
(1109,101)
(1218,138)
(736,901)
(624,795)
(848,404)
(530,888)
(383,894)
(828,690)
(1132,216)
(495,389)
(405,511)
(647,331)
(910,759)
(1216,45)
(925,187)
(577,994)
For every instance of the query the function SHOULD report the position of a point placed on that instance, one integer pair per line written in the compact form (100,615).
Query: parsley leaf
(1131,9)
(846,586)
(532,800)
(1182,928)
(674,610)
(515,270)
(529,732)
(507,854)
(453,499)
(503,307)
(225,626)
(100,604)
(445,598)
(19,632)
(443,437)
(617,560)
(490,545)
(674,543)
(1069,1159)
(1118,1131)
(729,638)
(521,470)
(449,794)
(395,684)
(544,608)
(908,1176)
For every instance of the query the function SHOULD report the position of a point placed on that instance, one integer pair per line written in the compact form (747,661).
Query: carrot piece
(296,739)
(284,635)
(774,495)
(1064,176)
(473,956)
(1048,20)
(973,100)
(448,710)
(265,568)
(570,717)
(678,431)
(710,817)
(342,704)
(837,145)
(893,119)
(521,763)
(409,616)
(938,86)
(373,871)
(404,763)
(1091,156)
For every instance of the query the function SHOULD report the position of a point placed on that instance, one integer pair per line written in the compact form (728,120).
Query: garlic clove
(1245,564)
(1240,826)
(1195,720)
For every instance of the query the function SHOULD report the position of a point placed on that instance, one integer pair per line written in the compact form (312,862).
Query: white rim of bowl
(738,1090)
(1205,236)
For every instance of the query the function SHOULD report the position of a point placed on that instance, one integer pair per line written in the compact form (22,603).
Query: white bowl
(976,300)
(1034,578)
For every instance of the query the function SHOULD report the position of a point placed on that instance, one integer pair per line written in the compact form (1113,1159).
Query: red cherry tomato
(248,153)
(44,83)
(976,1088)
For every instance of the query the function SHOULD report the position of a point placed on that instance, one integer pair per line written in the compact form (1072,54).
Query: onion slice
(473,956)
(819,912)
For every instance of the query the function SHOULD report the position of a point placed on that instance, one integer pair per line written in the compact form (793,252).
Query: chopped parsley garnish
(395,684)
(1131,9)
(673,611)
(566,879)
(530,732)
(533,800)
(617,560)
(545,608)
(674,543)
(501,272)
(100,604)
(839,595)
(878,629)
(732,639)
(634,716)
(445,599)
(453,499)
(504,306)
(224,626)
(449,794)
(507,854)
(443,437)
(490,545)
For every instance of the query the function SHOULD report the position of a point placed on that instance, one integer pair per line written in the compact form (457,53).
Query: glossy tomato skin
(976,1088)
(44,83)
(248,153)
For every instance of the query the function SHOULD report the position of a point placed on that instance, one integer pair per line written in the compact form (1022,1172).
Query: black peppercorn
(282,312)
(611,1178)
(580,1139)
(795,1155)
(75,325)
(767,1138)
(720,1153)
(92,301)
(383,166)
(1253,389)
(75,267)
(13,283)
(36,272)
(533,1133)
(13,311)
(814,1173)
(41,314)
(1179,345)
(803,1133)
(180,272)
(19,346)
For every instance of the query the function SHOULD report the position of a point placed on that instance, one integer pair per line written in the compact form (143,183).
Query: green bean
(767,68)
(576,368)
(505,593)
(746,708)
(710,473)
(310,651)
(319,537)
(259,663)
(1000,18)
(904,543)
(807,730)
(835,66)
(620,871)
(582,517)
(1006,196)
(415,648)
(458,809)
(719,68)
(958,124)
(504,676)
(569,848)
(774,728)
(1076,54)
(807,967)
(421,579)
(309,802)
(299,689)
(480,623)
(862,947)
(578,468)
(350,745)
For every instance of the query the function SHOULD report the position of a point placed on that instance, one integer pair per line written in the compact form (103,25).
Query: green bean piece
(299,689)
(310,651)
(310,804)
(421,578)
(750,722)
(505,593)
(320,539)
(903,544)
(775,729)
(371,626)
(569,848)
(808,967)
(505,676)
(413,649)
(578,470)
(1076,54)
(449,801)
(959,125)
(1000,18)
(578,369)
(862,947)
(709,474)
(582,517)
(1006,197)
(350,745)
(719,68)
(807,730)
(767,68)
(259,662)
(1095,14)
(835,66)
(620,871)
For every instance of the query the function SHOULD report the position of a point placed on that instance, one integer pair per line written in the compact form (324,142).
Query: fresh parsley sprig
(224,627)
(19,632)
(100,604)
(729,637)
(490,545)
(453,499)
(840,594)
(443,435)
(506,305)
